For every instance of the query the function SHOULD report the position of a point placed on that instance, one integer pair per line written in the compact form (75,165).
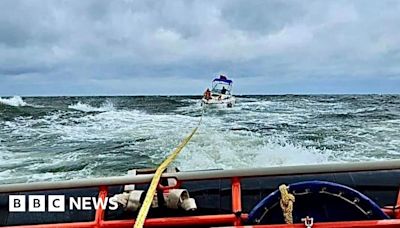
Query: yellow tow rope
(144,210)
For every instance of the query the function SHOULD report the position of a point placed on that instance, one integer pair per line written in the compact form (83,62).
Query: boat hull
(228,101)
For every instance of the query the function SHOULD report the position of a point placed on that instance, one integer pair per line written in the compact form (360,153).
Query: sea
(62,138)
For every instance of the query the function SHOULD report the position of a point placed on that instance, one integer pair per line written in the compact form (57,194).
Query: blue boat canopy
(224,79)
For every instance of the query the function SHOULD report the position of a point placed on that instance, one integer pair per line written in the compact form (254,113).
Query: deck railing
(236,218)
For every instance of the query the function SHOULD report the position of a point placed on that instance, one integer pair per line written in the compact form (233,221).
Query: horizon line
(193,95)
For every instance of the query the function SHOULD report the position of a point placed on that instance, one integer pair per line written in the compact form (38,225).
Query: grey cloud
(260,16)
(23,70)
(278,41)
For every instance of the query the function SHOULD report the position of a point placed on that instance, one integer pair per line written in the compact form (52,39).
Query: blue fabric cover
(223,80)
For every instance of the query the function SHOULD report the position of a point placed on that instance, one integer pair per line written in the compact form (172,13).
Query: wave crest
(15,101)
(105,107)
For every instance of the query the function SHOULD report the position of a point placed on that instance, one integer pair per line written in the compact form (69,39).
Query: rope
(144,210)
(286,203)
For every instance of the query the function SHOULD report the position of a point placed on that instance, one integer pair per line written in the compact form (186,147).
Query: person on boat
(207,94)
(223,90)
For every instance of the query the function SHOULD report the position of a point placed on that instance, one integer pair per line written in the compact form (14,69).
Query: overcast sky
(95,47)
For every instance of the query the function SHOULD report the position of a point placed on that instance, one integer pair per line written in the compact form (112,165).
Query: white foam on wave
(214,146)
(160,133)
(147,139)
(15,101)
(30,166)
(106,106)
(212,149)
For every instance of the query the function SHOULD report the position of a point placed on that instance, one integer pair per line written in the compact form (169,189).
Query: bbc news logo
(56,203)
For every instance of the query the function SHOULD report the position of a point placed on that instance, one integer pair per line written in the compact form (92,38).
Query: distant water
(53,138)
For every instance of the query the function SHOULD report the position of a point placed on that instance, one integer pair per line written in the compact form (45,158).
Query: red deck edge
(214,220)
(389,223)
(210,220)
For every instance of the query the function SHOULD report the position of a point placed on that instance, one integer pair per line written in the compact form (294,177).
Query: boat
(220,94)
(364,194)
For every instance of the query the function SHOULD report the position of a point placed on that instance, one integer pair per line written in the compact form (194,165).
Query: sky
(125,47)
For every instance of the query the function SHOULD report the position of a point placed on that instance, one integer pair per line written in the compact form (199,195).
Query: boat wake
(212,149)
(96,137)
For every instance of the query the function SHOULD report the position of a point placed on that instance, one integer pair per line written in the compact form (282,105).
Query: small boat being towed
(331,195)
(220,94)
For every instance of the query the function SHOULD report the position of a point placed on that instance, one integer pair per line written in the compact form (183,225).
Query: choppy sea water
(59,138)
